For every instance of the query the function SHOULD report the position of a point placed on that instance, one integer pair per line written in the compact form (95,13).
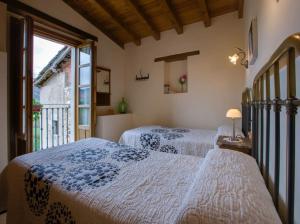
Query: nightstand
(245,145)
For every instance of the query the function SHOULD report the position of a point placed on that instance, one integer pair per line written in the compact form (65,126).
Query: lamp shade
(233,113)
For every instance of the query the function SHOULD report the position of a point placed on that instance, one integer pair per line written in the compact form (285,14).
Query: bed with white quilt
(97,181)
(196,142)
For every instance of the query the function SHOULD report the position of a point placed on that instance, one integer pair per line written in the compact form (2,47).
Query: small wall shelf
(177,57)
(175,72)
(141,76)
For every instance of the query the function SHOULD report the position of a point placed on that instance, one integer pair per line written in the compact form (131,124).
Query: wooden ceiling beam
(205,13)
(119,21)
(170,12)
(143,17)
(241,8)
(95,23)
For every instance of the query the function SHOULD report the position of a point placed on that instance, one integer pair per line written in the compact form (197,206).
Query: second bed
(187,141)
(196,142)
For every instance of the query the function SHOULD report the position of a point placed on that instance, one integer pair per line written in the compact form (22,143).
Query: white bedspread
(196,142)
(228,189)
(96,181)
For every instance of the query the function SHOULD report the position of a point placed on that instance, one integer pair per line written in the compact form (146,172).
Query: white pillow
(227,131)
(228,188)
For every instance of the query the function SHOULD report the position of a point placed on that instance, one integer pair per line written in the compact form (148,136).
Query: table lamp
(233,114)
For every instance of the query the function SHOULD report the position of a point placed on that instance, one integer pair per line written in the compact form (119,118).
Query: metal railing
(51,125)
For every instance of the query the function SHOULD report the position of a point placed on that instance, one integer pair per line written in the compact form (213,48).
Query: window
(55,128)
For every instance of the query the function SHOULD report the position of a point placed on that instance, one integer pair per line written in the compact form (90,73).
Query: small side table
(245,145)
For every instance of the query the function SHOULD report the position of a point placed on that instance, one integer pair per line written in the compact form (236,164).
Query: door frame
(33,28)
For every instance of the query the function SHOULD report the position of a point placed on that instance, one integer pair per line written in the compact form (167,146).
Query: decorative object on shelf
(252,42)
(166,88)
(233,114)
(141,76)
(239,54)
(182,81)
(122,107)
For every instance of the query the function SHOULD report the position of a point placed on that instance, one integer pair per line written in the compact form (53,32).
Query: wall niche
(175,77)
(175,72)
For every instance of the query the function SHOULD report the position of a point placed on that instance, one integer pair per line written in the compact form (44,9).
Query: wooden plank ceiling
(126,21)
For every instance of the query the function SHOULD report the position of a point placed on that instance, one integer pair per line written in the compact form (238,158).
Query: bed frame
(257,107)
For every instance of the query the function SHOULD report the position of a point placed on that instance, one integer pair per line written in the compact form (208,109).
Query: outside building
(52,113)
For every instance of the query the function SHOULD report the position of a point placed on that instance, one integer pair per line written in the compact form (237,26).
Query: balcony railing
(51,125)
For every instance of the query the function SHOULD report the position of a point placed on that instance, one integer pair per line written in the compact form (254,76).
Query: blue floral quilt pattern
(87,166)
(161,139)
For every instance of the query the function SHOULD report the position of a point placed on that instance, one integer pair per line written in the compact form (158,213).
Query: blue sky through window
(43,51)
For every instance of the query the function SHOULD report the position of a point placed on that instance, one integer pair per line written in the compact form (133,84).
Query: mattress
(97,181)
(196,142)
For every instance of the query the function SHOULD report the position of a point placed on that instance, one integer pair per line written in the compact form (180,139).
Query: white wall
(111,127)
(276,20)
(214,85)
(109,54)
(53,90)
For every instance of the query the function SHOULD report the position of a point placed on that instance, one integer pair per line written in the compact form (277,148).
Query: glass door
(85,122)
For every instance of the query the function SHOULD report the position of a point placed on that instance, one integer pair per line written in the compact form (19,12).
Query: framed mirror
(103,86)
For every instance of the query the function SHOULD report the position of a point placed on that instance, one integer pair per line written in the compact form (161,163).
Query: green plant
(36,114)
(36,125)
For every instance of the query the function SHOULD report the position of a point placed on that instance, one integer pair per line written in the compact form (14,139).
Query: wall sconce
(240,54)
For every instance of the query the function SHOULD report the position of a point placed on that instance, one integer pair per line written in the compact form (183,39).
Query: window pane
(84,95)
(84,116)
(84,75)
(84,55)
(24,92)
(24,64)
(23,121)
(55,127)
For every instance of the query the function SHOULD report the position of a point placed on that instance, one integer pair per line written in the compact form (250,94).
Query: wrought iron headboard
(246,111)
(257,107)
